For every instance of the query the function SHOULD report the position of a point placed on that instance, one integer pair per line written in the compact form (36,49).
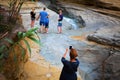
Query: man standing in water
(43,15)
(60,21)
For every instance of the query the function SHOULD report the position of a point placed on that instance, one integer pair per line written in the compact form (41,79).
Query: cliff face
(108,7)
(115,3)
(112,2)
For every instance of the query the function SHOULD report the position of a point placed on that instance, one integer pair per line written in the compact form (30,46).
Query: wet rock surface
(91,55)
(112,67)
(98,28)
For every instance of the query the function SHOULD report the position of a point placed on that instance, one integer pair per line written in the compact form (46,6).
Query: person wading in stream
(60,21)
(32,14)
(43,15)
(69,67)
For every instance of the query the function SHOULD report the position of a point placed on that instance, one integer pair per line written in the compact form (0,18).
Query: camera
(70,47)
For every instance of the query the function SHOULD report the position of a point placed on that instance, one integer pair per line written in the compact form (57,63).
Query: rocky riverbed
(98,28)
(95,59)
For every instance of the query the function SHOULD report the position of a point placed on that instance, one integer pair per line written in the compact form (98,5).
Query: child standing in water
(60,21)
(32,14)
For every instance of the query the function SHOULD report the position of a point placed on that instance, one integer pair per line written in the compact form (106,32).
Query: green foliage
(53,1)
(4,49)
(1,17)
(9,40)
(22,51)
(27,44)
(4,27)
(14,7)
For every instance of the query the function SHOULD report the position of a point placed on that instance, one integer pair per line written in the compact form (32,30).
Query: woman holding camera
(70,67)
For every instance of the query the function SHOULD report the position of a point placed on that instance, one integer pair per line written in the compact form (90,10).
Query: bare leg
(32,23)
(46,30)
(42,29)
(60,29)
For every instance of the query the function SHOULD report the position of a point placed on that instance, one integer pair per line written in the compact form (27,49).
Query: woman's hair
(33,8)
(73,53)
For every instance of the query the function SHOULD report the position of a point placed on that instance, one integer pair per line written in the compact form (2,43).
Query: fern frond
(28,46)
(9,40)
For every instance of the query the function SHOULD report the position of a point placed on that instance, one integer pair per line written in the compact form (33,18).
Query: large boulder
(107,36)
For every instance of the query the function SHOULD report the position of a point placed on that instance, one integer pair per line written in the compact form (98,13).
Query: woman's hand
(65,53)
(67,50)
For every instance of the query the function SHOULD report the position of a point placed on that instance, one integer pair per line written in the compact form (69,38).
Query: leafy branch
(5,50)
(14,6)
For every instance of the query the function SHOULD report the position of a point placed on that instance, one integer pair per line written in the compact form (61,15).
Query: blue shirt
(43,16)
(47,20)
